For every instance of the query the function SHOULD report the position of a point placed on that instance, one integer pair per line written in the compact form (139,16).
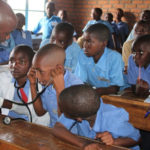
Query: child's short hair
(79,101)
(26,50)
(144,39)
(121,13)
(98,11)
(101,31)
(66,28)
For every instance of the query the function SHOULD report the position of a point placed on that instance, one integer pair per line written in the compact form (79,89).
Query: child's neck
(118,20)
(97,56)
(21,81)
(91,120)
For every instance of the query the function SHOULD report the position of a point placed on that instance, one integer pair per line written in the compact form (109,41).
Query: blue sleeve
(38,27)
(116,70)
(109,26)
(29,39)
(123,128)
(131,76)
(80,70)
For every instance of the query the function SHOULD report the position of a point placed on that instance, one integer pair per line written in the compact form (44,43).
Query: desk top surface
(21,135)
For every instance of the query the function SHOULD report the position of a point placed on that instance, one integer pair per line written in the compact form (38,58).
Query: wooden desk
(134,106)
(21,135)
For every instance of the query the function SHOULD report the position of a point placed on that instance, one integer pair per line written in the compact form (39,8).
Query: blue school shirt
(49,98)
(22,37)
(5,49)
(133,72)
(123,30)
(109,118)
(47,25)
(16,98)
(91,22)
(108,71)
(72,53)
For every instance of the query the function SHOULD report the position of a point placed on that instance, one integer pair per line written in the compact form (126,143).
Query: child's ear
(105,43)
(60,67)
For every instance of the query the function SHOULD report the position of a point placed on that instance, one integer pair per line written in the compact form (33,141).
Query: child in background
(20,36)
(62,14)
(141,28)
(122,26)
(86,115)
(98,65)
(17,86)
(138,74)
(96,14)
(145,16)
(63,36)
(48,68)
(48,22)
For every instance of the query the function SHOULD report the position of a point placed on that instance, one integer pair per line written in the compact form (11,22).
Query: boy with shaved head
(48,66)
(86,115)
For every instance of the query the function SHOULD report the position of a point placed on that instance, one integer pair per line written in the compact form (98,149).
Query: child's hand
(105,137)
(58,79)
(93,146)
(32,76)
(142,88)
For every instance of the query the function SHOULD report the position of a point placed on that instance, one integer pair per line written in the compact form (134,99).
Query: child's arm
(142,88)
(107,138)
(107,90)
(38,103)
(61,132)
(58,83)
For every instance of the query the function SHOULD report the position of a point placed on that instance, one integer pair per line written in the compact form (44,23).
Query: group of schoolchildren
(74,78)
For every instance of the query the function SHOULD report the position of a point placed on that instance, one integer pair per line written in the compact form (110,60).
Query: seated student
(85,115)
(62,35)
(96,14)
(48,66)
(145,16)
(17,86)
(20,36)
(122,27)
(98,65)
(109,17)
(5,49)
(139,67)
(141,28)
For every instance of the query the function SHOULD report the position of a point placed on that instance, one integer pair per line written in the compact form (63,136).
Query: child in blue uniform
(139,67)
(48,66)
(85,115)
(63,36)
(48,22)
(20,36)
(98,65)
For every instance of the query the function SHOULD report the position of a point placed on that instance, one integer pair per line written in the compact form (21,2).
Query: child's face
(142,55)
(140,30)
(145,16)
(43,72)
(94,14)
(19,64)
(92,46)
(60,39)
(20,22)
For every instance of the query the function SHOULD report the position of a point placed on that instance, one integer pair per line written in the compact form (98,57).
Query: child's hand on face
(32,76)
(93,146)
(58,78)
(142,88)
(105,137)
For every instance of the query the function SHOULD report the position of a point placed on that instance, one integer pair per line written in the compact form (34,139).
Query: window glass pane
(36,5)
(17,4)
(33,19)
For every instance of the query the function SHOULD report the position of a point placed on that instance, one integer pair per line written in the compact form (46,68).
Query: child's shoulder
(112,53)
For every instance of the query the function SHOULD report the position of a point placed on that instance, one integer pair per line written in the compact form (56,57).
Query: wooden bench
(134,106)
(21,135)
